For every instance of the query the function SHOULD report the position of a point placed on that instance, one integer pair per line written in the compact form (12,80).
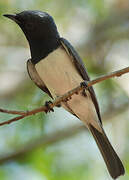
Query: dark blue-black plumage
(40,31)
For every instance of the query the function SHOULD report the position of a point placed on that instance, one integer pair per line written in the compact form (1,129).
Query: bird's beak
(12,17)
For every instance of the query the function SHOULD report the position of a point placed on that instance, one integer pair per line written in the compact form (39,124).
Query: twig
(62,98)
(52,138)
(12,112)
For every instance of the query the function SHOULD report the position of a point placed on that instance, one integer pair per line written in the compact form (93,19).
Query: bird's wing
(81,69)
(35,77)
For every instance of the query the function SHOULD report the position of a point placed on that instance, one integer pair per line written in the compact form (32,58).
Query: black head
(40,31)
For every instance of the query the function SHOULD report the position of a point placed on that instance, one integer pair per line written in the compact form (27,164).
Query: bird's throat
(41,48)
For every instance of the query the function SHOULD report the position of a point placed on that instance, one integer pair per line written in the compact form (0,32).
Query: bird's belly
(60,75)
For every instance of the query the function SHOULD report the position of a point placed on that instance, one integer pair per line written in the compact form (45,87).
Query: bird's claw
(84,85)
(48,106)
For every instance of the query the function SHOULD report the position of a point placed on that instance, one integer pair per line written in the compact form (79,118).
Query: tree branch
(12,112)
(52,138)
(62,98)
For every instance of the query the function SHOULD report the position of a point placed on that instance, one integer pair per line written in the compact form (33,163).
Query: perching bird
(56,68)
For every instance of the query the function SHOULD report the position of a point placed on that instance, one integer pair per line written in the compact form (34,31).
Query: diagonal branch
(56,137)
(62,98)
(12,112)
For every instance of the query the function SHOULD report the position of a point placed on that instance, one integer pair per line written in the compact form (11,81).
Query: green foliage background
(34,148)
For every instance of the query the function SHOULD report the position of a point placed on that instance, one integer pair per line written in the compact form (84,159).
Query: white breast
(58,72)
(60,75)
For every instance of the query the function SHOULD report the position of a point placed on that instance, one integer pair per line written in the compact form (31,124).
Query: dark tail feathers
(114,164)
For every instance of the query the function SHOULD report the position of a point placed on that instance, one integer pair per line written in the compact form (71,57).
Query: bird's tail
(114,164)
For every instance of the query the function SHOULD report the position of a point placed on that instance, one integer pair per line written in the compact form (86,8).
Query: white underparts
(60,75)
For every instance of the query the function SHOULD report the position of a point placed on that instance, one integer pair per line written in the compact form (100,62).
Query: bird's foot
(84,85)
(48,106)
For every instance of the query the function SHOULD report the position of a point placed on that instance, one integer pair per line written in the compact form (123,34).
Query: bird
(56,67)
